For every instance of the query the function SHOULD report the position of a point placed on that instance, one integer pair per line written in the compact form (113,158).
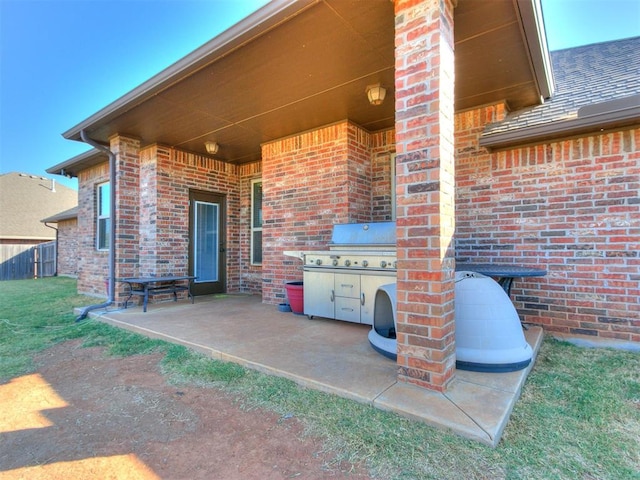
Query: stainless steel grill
(341,282)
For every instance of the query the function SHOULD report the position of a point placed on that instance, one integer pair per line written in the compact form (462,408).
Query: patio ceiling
(297,65)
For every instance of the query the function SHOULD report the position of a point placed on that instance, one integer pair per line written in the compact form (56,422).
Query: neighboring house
(66,241)
(488,171)
(24,201)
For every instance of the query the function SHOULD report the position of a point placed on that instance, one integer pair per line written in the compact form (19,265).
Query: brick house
(25,200)
(498,168)
(66,241)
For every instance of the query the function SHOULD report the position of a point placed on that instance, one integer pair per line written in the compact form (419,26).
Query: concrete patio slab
(330,356)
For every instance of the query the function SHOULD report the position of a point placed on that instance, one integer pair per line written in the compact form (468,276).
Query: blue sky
(63,60)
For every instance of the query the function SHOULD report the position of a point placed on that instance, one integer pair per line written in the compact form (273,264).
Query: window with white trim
(256,222)
(103,204)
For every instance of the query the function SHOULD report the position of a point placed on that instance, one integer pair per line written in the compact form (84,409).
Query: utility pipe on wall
(112,232)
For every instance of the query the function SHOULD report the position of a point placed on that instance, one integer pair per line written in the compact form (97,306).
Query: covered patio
(327,355)
(279,102)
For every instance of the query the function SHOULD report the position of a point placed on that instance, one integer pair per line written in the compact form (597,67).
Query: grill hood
(354,234)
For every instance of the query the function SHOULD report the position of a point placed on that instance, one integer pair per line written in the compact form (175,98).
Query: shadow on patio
(327,355)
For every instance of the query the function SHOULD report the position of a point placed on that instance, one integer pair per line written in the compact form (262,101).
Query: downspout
(112,233)
(55,274)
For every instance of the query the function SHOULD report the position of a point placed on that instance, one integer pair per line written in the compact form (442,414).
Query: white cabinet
(318,294)
(369,285)
(347,297)
(343,296)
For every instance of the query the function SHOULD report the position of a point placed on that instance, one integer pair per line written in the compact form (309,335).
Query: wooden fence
(18,262)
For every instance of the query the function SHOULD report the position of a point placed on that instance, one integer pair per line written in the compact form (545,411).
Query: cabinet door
(347,285)
(348,309)
(369,286)
(318,294)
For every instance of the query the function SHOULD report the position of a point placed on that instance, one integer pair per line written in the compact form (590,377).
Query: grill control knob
(319,261)
(365,263)
(395,264)
(335,262)
(383,264)
(347,263)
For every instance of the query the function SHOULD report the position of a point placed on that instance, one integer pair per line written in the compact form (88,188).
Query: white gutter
(532,23)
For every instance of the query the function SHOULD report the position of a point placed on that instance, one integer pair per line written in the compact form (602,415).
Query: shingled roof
(25,200)
(592,79)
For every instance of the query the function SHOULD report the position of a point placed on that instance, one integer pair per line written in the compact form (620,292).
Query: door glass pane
(206,241)
(256,219)
(256,246)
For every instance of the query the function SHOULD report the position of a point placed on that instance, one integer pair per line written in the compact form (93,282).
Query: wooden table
(145,286)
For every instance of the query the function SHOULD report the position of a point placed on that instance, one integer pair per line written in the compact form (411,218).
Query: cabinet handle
(344,285)
(362,299)
(333,296)
(347,309)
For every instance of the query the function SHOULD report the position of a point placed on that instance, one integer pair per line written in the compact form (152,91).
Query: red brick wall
(177,174)
(571,207)
(383,145)
(127,215)
(250,275)
(150,260)
(331,179)
(68,247)
(152,195)
(93,268)
(311,182)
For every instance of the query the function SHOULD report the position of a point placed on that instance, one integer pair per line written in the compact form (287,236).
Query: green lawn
(578,417)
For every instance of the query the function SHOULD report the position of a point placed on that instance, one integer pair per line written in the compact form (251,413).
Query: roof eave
(70,168)
(70,214)
(26,237)
(532,23)
(250,27)
(584,125)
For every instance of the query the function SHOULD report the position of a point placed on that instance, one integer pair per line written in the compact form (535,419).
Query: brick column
(148,231)
(127,218)
(425,191)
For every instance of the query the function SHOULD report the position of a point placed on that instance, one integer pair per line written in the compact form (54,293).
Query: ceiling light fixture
(212,147)
(376,94)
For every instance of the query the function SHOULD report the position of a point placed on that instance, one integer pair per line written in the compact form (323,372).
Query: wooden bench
(148,286)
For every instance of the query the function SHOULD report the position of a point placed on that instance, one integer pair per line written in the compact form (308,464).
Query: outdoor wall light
(376,94)
(212,147)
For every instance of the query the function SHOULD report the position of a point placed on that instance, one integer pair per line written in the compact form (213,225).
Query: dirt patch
(85,414)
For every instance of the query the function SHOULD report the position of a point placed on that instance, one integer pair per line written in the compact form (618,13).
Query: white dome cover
(489,335)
